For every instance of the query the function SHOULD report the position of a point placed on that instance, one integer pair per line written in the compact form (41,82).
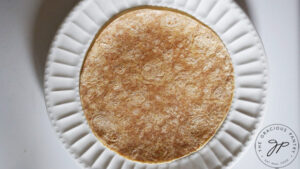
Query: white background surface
(27,27)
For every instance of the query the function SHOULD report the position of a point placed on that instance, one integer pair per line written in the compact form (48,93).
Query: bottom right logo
(276,145)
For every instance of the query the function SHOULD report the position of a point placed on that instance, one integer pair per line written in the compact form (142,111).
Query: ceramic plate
(76,35)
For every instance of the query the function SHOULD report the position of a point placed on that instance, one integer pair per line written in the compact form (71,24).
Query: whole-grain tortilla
(156,85)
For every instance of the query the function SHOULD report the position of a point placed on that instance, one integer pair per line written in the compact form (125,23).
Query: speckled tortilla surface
(156,85)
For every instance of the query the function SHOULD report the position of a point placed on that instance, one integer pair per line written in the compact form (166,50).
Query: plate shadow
(245,7)
(49,16)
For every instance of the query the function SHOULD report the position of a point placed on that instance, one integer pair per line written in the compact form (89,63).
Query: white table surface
(27,27)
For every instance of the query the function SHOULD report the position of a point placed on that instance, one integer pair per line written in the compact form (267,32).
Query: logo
(276,146)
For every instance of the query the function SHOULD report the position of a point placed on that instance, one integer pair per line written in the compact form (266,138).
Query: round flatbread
(156,84)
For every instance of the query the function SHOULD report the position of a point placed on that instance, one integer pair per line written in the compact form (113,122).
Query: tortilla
(156,84)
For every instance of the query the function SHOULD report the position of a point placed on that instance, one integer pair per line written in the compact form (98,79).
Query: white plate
(73,40)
